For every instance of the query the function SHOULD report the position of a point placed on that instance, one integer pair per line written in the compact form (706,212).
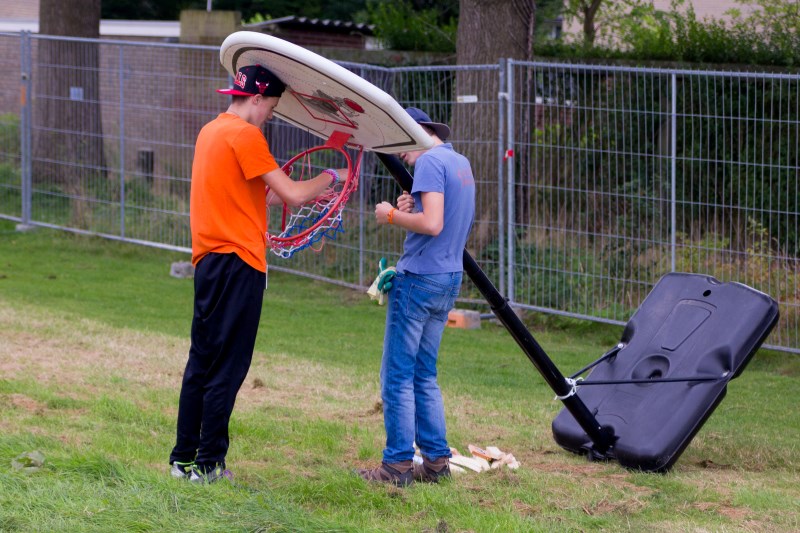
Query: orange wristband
(390,216)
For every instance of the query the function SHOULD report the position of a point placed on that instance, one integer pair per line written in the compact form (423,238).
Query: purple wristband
(333,174)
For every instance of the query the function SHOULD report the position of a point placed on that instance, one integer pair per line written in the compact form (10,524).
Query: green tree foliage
(145,9)
(445,9)
(401,26)
(780,20)
(548,18)
(599,18)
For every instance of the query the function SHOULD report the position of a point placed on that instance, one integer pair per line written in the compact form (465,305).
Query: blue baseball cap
(421,117)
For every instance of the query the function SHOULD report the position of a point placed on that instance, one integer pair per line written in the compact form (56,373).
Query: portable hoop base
(688,339)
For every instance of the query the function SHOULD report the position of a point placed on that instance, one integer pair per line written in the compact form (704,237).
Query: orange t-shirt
(228,210)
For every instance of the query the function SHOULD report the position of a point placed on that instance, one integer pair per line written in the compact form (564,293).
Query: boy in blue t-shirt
(437,217)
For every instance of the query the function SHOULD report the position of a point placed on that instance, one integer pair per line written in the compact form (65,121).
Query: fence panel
(11,104)
(737,196)
(589,207)
(624,174)
(113,129)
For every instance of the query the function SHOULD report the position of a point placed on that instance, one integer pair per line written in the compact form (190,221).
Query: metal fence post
(502,98)
(673,170)
(362,202)
(121,141)
(25,129)
(510,247)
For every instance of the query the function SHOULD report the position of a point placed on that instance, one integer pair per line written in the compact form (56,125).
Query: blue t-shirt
(441,169)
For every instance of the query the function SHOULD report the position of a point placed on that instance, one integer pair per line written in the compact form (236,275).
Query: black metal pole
(602,438)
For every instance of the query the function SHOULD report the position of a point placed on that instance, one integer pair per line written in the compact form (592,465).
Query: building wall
(704,9)
(15,9)
(711,8)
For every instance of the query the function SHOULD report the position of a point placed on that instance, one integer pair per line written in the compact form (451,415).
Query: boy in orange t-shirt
(232,164)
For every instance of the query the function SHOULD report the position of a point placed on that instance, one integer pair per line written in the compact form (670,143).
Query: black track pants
(227,308)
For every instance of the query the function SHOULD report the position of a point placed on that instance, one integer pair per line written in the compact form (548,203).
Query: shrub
(9,138)
(769,36)
(400,27)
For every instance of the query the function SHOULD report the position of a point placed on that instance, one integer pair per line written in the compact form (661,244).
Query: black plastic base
(689,326)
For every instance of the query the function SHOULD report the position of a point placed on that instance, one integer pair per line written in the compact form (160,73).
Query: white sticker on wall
(467,98)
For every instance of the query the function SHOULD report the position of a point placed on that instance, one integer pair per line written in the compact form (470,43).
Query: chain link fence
(592,181)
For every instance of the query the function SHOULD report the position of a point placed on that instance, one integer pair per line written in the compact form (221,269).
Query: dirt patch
(734,513)
(526,509)
(82,355)
(622,505)
(26,403)
(277,380)
(84,358)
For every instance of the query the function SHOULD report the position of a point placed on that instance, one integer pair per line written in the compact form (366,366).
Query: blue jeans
(412,402)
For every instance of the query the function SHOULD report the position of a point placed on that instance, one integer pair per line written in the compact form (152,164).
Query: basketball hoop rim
(333,208)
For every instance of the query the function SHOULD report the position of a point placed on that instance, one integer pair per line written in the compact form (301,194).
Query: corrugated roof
(339,26)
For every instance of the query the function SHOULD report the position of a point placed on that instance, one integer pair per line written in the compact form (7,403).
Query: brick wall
(10,82)
(168,94)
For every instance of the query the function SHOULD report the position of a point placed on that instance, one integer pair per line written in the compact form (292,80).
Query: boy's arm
(428,221)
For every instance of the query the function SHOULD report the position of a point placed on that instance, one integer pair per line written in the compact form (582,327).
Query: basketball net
(310,224)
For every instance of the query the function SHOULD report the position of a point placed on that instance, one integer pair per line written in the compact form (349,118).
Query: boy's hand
(382,212)
(405,202)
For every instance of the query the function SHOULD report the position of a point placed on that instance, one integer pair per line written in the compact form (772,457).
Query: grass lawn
(93,340)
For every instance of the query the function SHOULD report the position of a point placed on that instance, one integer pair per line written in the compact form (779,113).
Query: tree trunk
(68,148)
(487,31)
(589,28)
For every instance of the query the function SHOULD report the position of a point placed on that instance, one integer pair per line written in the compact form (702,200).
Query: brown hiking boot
(432,471)
(400,474)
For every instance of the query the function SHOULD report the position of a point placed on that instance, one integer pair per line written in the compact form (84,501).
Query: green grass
(94,336)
